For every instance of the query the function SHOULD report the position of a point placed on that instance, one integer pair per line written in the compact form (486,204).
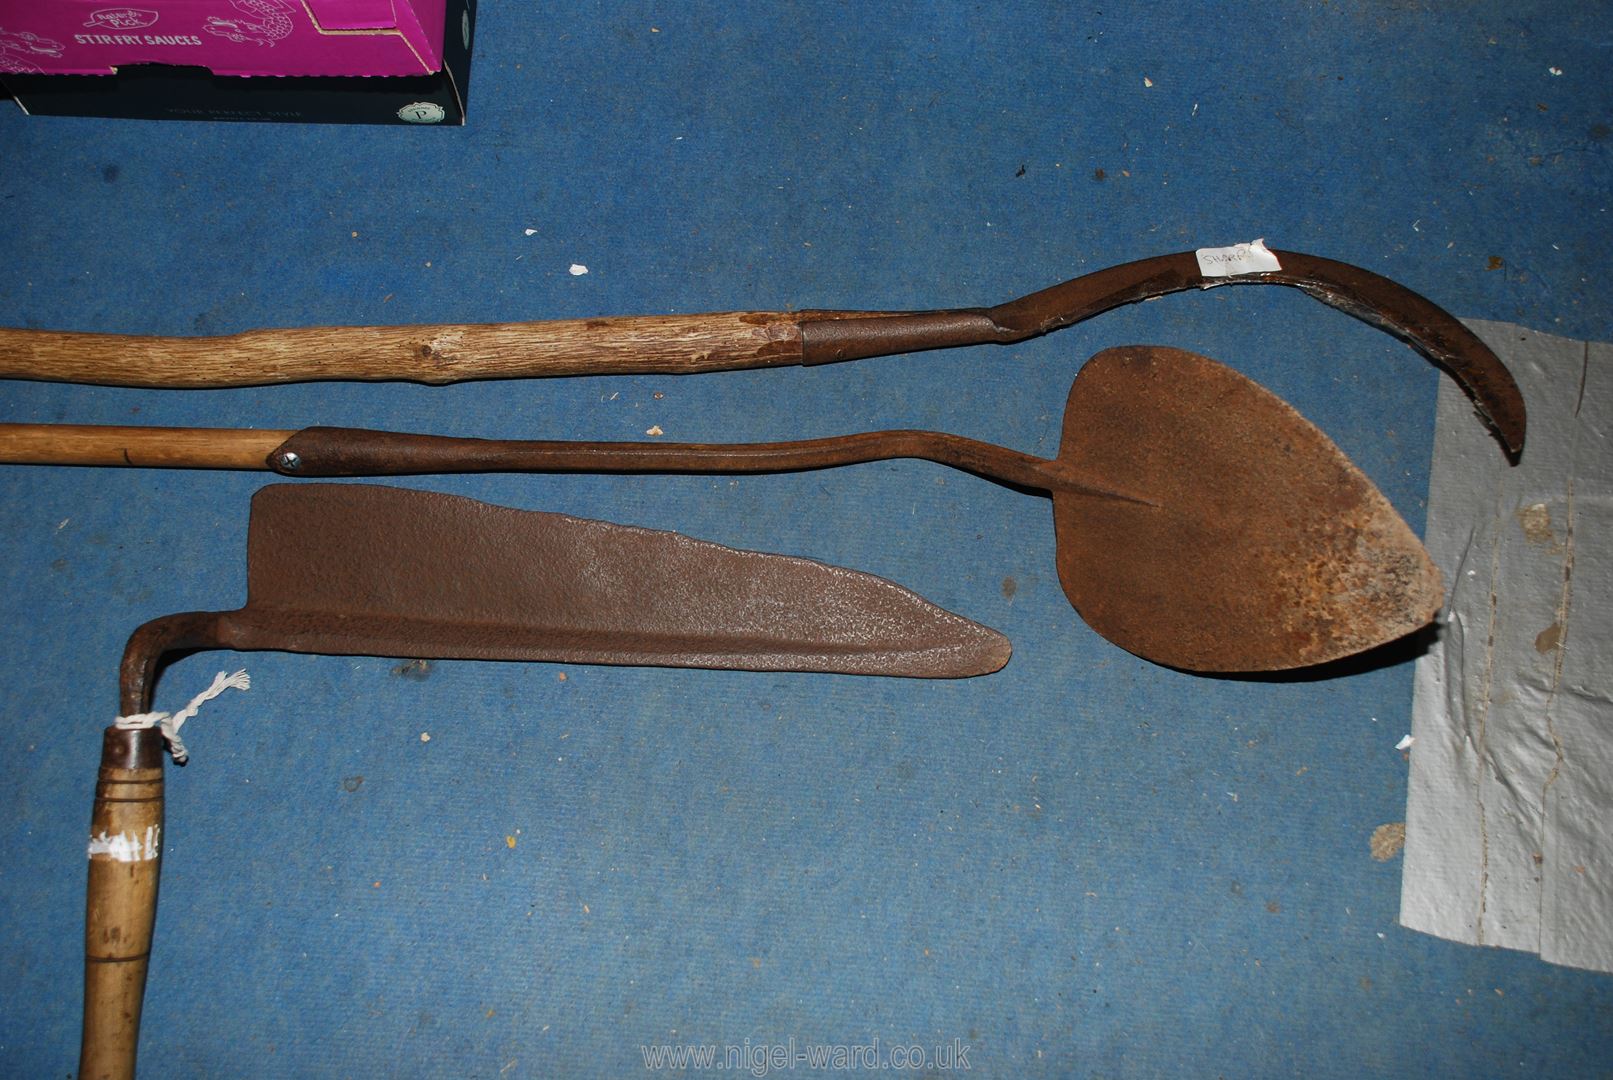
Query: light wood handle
(125,852)
(645,344)
(157,448)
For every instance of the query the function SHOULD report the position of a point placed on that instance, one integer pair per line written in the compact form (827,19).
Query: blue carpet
(1085,865)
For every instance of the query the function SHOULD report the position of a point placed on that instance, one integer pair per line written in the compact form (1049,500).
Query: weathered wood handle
(138,447)
(644,344)
(125,852)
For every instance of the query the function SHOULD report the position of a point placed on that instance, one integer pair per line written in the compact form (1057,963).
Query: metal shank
(328,452)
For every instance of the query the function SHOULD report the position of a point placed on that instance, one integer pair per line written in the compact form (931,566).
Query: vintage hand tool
(358,570)
(675,344)
(1201,522)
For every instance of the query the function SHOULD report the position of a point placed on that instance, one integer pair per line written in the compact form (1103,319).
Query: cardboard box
(336,61)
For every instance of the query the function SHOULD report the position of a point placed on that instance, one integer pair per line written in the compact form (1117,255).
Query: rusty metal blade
(1268,548)
(363,570)
(1373,298)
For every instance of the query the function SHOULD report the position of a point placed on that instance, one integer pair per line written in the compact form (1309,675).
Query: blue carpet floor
(1085,865)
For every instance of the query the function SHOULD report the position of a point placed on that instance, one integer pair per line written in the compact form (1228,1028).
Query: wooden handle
(646,344)
(125,852)
(158,448)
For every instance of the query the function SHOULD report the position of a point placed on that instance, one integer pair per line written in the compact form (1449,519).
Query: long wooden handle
(125,851)
(646,344)
(141,447)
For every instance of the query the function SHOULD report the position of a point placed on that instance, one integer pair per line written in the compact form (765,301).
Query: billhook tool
(682,344)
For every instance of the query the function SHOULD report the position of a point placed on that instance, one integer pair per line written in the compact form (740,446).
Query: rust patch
(1536,522)
(1387,840)
(1550,638)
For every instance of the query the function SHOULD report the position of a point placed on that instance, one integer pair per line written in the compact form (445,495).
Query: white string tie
(172,722)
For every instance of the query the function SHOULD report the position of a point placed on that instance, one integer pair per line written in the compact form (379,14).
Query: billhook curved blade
(1425,326)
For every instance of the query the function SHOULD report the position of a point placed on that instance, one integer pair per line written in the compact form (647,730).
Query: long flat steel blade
(365,570)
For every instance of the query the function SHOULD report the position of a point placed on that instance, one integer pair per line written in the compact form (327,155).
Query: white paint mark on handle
(128,847)
(1251,258)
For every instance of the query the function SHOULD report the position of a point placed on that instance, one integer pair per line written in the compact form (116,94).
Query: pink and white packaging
(228,37)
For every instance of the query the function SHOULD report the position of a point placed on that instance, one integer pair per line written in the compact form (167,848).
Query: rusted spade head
(1265,548)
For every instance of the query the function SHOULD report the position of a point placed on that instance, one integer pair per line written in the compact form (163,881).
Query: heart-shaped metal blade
(1264,547)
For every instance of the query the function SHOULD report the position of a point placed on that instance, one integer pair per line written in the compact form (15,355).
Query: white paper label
(1251,258)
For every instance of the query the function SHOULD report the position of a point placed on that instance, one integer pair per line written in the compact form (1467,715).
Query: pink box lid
(228,37)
